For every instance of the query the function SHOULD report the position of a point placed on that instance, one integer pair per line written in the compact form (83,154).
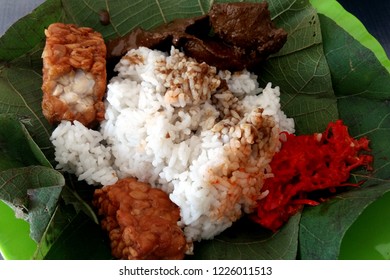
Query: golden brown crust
(141,221)
(70,50)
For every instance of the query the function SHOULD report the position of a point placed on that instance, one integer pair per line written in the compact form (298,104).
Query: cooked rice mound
(204,137)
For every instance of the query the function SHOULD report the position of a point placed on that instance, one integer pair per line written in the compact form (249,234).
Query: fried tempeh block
(74,74)
(141,221)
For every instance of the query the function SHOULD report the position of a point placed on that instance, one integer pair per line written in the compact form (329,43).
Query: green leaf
(246,240)
(362,86)
(81,239)
(26,34)
(323,227)
(33,192)
(359,73)
(126,15)
(70,196)
(21,95)
(15,182)
(20,70)
(352,25)
(72,235)
(17,148)
(306,90)
(42,203)
(63,215)
(306,87)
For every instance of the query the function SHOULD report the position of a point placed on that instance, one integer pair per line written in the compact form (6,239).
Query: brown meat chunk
(141,221)
(74,74)
(161,37)
(247,25)
(231,36)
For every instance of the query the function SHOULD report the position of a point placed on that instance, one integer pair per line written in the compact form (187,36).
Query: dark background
(375,15)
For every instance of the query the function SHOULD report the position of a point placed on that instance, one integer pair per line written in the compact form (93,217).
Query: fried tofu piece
(74,74)
(141,221)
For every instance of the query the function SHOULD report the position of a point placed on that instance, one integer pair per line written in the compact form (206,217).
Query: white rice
(172,123)
(79,151)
